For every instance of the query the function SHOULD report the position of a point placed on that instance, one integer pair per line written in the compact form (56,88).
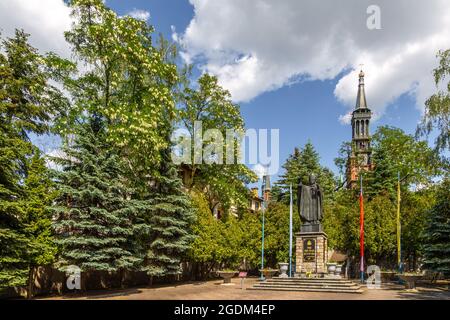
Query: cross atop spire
(361,102)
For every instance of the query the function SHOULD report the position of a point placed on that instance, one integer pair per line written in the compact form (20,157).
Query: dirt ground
(215,290)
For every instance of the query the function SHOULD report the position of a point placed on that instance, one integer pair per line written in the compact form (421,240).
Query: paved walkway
(210,290)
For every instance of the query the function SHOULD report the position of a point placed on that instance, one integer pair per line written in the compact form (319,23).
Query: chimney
(266,188)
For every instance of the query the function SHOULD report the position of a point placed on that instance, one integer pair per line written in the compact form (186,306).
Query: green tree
(300,165)
(249,246)
(128,82)
(380,231)
(437,107)
(206,251)
(341,221)
(413,216)
(211,105)
(28,104)
(37,216)
(437,243)
(169,215)
(223,244)
(395,152)
(276,231)
(13,241)
(129,85)
(93,210)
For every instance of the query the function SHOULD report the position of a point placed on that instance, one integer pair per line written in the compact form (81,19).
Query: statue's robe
(310,205)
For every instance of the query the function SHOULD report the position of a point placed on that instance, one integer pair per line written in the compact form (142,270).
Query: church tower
(266,188)
(360,158)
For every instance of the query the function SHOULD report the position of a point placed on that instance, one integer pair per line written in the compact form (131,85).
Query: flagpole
(361,231)
(262,242)
(290,231)
(399,227)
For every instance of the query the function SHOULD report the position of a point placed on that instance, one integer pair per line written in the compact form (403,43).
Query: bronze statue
(309,204)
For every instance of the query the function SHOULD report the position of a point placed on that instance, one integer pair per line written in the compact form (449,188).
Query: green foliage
(276,233)
(437,107)
(232,243)
(28,101)
(27,104)
(128,82)
(127,88)
(169,214)
(300,165)
(250,240)
(37,217)
(341,223)
(380,229)
(395,152)
(345,151)
(437,240)
(342,213)
(93,212)
(414,211)
(212,105)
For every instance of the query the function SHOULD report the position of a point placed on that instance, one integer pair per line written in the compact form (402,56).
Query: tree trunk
(30,282)
(150,281)
(122,278)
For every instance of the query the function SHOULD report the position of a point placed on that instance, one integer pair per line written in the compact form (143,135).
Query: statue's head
(312,178)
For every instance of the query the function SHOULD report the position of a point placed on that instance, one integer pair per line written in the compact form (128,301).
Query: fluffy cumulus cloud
(255,46)
(139,14)
(45,20)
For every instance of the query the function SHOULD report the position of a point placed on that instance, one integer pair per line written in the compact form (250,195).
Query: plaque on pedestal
(311,253)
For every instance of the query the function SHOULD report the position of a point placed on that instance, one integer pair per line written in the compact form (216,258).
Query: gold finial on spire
(361,73)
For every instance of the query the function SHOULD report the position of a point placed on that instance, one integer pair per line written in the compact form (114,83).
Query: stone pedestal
(311,253)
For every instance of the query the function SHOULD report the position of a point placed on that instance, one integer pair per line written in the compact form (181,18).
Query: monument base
(311,227)
(311,251)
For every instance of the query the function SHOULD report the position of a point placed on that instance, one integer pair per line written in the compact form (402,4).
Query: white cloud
(45,20)
(139,14)
(255,46)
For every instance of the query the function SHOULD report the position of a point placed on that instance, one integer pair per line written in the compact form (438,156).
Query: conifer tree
(37,216)
(94,211)
(130,85)
(169,214)
(13,242)
(300,165)
(27,105)
(437,247)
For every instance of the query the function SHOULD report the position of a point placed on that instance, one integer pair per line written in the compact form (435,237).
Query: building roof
(361,102)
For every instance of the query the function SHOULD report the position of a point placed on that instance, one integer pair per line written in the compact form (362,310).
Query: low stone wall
(49,280)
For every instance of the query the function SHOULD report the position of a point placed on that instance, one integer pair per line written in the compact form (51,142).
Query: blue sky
(259,49)
(307,110)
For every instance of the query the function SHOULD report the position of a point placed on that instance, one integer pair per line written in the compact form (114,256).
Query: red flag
(361,228)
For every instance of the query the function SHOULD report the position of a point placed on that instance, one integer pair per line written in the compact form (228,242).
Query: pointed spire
(266,188)
(361,99)
(266,183)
